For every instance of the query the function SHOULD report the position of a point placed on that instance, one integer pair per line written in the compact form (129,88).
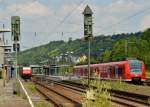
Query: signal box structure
(88,22)
(15,27)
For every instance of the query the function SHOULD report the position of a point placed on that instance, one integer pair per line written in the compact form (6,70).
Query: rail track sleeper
(74,88)
(56,104)
(58,100)
(134,95)
(122,103)
(135,98)
(69,98)
(131,99)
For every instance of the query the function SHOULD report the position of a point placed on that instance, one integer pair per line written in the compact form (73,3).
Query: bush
(99,97)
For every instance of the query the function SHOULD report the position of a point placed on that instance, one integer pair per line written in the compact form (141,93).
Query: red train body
(26,72)
(129,70)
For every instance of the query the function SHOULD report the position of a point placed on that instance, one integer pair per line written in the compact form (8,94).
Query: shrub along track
(76,89)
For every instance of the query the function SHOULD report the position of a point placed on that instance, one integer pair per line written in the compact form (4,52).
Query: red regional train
(26,72)
(128,70)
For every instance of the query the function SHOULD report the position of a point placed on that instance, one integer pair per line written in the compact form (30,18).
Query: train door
(112,72)
(119,70)
(116,71)
(122,72)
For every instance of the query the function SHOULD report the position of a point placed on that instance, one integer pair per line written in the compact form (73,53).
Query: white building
(1,52)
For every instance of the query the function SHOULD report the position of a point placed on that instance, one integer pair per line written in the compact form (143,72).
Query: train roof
(35,66)
(103,64)
(109,63)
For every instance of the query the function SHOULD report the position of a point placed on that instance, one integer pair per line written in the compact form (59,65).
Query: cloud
(145,23)
(47,14)
(107,17)
(30,8)
(123,6)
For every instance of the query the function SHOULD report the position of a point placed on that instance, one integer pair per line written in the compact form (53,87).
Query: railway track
(147,82)
(133,99)
(117,96)
(64,97)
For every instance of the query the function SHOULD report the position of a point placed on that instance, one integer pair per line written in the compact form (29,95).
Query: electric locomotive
(128,70)
(26,72)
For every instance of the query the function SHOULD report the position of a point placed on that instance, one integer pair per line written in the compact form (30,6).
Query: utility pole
(15,33)
(15,26)
(88,34)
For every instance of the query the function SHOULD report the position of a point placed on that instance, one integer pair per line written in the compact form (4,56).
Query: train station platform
(8,99)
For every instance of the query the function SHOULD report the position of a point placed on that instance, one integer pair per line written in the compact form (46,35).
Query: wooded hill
(103,48)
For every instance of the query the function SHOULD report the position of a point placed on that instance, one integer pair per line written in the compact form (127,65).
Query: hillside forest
(104,48)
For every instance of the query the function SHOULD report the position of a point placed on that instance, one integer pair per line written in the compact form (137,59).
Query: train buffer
(8,99)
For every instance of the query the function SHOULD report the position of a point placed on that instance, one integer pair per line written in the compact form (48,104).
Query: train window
(135,66)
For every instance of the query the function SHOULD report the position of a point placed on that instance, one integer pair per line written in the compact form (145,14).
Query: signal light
(16,46)
(15,28)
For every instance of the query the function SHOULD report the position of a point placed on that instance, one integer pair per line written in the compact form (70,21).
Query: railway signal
(15,33)
(16,47)
(88,22)
(15,28)
(88,34)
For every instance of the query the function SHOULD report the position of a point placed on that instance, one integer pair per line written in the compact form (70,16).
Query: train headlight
(128,75)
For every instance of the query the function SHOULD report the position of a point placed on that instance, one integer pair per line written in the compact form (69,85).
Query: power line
(68,15)
(126,18)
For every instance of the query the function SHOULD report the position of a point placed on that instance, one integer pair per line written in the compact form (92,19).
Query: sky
(49,18)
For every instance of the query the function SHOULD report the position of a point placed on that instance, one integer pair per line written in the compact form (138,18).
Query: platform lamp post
(15,32)
(88,34)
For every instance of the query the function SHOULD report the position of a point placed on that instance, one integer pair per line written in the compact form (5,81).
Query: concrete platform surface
(8,99)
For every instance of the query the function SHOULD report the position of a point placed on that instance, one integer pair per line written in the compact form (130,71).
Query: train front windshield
(135,66)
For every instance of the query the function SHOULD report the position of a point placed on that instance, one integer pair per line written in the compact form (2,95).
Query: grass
(149,100)
(97,97)
(17,88)
(0,74)
(42,104)
(32,87)
(148,73)
(118,84)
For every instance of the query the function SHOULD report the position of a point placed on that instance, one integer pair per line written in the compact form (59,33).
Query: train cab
(127,70)
(136,70)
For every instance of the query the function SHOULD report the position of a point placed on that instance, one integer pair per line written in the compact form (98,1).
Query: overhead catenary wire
(55,29)
(66,17)
(126,18)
